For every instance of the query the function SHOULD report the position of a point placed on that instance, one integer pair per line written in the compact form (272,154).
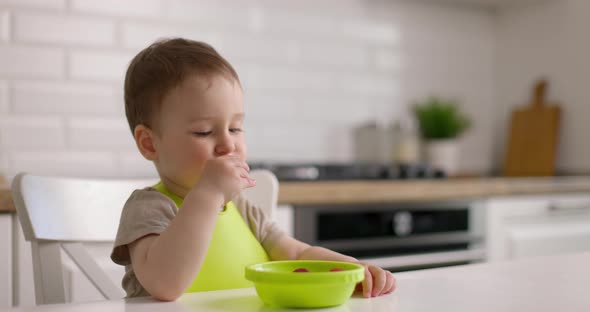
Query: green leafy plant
(440,119)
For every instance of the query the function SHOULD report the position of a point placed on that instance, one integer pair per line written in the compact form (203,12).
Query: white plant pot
(443,154)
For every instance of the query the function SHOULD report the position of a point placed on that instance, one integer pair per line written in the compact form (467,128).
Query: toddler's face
(200,120)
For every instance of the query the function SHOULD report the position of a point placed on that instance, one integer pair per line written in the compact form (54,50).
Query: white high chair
(64,213)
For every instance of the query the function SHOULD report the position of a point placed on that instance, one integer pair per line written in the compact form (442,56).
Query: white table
(558,283)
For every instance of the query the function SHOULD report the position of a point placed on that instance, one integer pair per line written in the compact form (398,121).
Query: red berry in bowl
(300,270)
(336,270)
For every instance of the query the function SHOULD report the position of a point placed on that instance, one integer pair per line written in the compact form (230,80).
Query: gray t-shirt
(148,211)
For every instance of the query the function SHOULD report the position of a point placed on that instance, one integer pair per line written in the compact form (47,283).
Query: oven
(397,236)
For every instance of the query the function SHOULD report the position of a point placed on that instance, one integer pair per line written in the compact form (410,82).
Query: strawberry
(301,270)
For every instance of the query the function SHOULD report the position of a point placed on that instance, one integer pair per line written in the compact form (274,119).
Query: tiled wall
(549,40)
(312,71)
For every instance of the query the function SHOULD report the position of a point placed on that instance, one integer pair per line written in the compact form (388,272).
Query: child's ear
(144,138)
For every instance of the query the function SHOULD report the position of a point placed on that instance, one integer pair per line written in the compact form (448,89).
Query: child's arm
(166,264)
(377,281)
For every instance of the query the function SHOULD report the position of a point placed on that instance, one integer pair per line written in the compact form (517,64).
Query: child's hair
(162,66)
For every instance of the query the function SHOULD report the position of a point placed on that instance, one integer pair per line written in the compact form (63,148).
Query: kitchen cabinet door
(5,261)
(535,226)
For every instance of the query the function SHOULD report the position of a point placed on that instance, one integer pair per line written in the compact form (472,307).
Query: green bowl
(278,285)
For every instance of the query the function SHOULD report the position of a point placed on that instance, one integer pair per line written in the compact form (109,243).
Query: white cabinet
(537,225)
(5,261)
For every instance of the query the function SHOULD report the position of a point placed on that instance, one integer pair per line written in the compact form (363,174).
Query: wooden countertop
(350,192)
(6,203)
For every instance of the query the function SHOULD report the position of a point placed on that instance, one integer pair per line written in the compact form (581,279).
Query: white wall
(549,40)
(312,70)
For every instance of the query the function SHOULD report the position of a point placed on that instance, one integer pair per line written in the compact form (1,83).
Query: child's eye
(235,130)
(202,133)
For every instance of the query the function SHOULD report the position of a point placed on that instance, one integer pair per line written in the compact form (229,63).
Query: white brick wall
(35,4)
(32,132)
(4,98)
(98,65)
(4,25)
(228,15)
(138,35)
(63,29)
(312,71)
(550,41)
(132,164)
(95,163)
(18,61)
(65,98)
(100,133)
(127,8)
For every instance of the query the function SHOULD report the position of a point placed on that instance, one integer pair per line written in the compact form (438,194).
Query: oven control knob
(402,223)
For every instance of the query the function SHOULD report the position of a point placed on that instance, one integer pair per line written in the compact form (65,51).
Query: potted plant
(441,124)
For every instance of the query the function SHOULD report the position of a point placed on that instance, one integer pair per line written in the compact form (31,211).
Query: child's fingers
(379,280)
(238,161)
(251,182)
(390,285)
(247,181)
(367,283)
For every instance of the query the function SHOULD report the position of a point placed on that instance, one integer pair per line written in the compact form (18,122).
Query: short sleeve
(147,211)
(266,231)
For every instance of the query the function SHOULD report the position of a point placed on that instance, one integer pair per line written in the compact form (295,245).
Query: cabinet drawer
(523,226)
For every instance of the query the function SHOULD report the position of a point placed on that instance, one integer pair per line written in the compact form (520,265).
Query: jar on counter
(406,141)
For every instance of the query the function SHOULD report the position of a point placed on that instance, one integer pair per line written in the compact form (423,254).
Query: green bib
(233,247)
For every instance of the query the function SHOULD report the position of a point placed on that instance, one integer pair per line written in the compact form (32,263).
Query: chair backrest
(266,192)
(63,213)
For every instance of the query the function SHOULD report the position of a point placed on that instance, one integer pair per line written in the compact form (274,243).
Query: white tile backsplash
(125,9)
(35,4)
(4,25)
(63,29)
(95,163)
(138,35)
(388,59)
(550,41)
(101,133)
(215,14)
(339,56)
(32,132)
(98,65)
(311,70)
(238,48)
(4,97)
(65,98)
(17,61)
(131,164)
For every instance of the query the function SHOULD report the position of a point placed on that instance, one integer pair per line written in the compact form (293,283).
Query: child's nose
(224,146)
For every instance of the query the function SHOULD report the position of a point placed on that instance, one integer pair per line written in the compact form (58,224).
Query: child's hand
(377,281)
(227,175)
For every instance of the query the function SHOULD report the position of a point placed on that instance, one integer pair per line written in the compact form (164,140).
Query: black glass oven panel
(400,251)
(380,224)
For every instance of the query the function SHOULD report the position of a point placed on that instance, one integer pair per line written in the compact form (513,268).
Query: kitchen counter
(351,192)
(556,283)
(6,203)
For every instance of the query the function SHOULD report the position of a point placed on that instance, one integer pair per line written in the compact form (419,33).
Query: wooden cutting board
(533,137)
